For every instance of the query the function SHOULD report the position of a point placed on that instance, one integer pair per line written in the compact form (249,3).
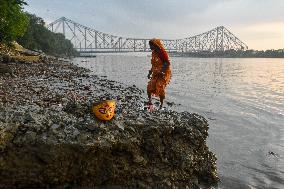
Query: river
(242,99)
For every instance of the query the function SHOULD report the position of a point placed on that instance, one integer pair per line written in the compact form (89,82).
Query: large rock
(49,139)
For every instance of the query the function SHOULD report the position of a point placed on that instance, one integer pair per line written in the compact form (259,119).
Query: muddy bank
(49,138)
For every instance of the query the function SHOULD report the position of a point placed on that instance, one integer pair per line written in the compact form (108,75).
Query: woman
(160,71)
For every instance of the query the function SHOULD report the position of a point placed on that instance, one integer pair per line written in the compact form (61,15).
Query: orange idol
(104,110)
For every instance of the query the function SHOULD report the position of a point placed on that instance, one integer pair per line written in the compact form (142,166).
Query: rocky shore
(50,139)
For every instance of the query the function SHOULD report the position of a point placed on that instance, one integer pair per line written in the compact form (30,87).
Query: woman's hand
(149,74)
(161,74)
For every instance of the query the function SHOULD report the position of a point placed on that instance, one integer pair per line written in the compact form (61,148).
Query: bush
(13,21)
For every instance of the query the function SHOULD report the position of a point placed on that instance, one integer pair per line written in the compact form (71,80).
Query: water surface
(243,100)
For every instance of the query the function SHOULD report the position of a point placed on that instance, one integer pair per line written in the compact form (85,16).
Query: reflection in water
(243,99)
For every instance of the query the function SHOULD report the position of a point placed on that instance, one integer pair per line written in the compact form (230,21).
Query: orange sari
(157,84)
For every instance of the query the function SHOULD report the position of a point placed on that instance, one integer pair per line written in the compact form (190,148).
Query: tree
(38,37)
(13,21)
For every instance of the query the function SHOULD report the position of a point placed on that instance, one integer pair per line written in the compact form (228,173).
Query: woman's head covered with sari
(158,43)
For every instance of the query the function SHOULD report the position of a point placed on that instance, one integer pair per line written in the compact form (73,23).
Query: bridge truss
(88,40)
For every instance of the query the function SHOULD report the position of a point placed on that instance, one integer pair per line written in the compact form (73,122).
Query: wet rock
(55,126)
(50,138)
(6,58)
(6,70)
(119,124)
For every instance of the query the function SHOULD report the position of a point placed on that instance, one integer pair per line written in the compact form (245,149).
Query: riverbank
(49,138)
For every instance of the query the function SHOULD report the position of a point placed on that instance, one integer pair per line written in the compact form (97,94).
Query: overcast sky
(258,23)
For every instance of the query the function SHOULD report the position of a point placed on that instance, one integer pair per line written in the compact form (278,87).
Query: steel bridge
(88,40)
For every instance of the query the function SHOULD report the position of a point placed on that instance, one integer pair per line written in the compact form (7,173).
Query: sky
(258,23)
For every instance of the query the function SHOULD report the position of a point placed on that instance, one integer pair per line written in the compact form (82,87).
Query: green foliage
(38,37)
(13,21)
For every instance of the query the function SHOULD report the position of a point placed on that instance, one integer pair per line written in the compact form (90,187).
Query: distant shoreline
(231,54)
(219,57)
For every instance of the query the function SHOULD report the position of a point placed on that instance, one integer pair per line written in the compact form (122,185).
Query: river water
(243,100)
